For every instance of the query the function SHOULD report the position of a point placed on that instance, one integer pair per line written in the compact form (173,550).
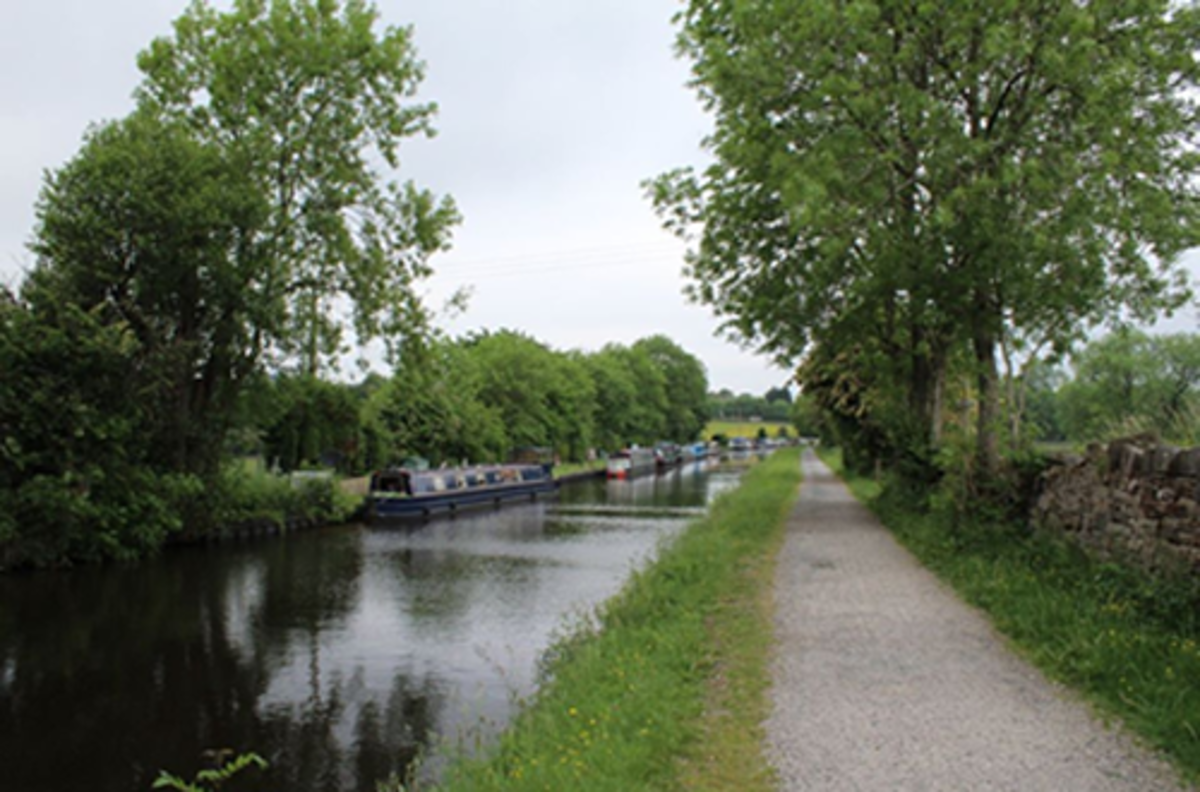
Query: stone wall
(1136,500)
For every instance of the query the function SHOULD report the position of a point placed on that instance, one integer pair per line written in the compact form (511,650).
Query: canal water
(340,654)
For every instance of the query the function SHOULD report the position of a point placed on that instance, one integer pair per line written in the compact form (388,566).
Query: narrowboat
(631,462)
(406,493)
(667,455)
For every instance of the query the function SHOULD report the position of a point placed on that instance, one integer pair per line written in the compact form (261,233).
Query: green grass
(667,689)
(748,429)
(247,492)
(1128,641)
(571,468)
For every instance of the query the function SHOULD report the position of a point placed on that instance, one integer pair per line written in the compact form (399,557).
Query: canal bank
(666,685)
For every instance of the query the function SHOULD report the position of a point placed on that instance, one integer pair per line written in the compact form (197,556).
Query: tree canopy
(935,184)
(312,102)
(237,221)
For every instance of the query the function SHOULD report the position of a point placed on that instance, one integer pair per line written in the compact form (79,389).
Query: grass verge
(748,429)
(572,468)
(667,689)
(1128,641)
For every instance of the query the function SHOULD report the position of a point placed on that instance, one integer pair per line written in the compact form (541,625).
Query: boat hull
(625,466)
(451,502)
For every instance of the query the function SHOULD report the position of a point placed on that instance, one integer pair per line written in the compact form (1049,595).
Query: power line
(565,262)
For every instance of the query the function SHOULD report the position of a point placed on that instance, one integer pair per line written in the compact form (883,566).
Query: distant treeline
(199,265)
(91,465)
(481,398)
(1125,383)
(774,405)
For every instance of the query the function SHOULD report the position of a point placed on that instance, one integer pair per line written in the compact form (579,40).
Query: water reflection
(338,655)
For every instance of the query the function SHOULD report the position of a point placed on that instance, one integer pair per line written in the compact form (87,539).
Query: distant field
(744,428)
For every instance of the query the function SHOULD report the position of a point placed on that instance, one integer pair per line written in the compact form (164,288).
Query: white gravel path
(884,680)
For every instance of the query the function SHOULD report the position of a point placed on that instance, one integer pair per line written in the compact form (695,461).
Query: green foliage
(245,494)
(478,398)
(726,405)
(306,95)
(912,189)
(310,422)
(616,394)
(686,385)
(215,225)
(625,695)
(73,482)
(431,408)
(1129,381)
(140,229)
(542,398)
(211,780)
(806,417)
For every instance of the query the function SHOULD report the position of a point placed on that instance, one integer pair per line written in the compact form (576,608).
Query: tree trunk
(987,446)
(927,386)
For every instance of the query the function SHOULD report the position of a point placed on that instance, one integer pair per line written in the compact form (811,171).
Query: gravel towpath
(885,680)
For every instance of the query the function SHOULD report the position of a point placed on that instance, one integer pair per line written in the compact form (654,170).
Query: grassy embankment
(250,492)
(747,429)
(1129,642)
(668,688)
(564,469)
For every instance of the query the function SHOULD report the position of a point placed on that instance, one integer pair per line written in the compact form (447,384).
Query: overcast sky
(551,114)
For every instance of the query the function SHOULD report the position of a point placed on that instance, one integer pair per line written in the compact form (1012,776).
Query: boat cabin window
(391,482)
(425,485)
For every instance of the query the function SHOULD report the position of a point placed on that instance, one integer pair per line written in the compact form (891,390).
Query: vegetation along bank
(666,686)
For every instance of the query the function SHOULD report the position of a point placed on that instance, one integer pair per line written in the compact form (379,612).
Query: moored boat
(630,462)
(404,493)
(667,455)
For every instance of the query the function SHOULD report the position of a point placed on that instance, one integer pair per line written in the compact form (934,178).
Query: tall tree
(686,386)
(546,398)
(616,393)
(937,175)
(74,483)
(311,101)
(432,407)
(143,230)
(1130,379)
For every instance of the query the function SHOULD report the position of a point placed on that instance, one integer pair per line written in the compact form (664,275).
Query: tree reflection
(336,655)
(128,671)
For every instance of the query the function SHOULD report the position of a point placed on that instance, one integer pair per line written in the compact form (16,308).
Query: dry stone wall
(1136,500)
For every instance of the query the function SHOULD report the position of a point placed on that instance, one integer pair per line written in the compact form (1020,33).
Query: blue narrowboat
(405,493)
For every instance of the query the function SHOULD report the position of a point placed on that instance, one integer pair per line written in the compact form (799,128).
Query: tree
(545,398)
(646,415)
(939,177)
(73,480)
(209,234)
(782,395)
(686,386)
(616,394)
(314,422)
(1130,380)
(432,408)
(1178,356)
(142,231)
(1042,402)
(308,99)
